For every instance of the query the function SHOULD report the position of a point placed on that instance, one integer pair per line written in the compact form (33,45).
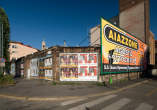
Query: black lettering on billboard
(119,38)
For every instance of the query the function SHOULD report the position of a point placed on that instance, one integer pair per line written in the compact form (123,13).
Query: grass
(78,83)
(66,83)
(100,83)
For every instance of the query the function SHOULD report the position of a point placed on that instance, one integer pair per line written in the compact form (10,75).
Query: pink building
(18,49)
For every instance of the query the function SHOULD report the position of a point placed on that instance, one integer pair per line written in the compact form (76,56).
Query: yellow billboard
(120,51)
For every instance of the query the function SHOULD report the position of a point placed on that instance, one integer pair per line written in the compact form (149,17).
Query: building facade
(18,49)
(65,64)
(134,18)
(152,48)
(155,52)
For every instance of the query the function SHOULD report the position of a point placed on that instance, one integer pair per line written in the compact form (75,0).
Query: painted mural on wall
(120,51)
(78,66)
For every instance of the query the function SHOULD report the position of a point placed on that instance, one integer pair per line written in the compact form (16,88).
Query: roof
(16,42)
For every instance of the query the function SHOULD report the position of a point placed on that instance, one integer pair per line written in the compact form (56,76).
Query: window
(22,65)
(50,61)
(14,46)
(13,51)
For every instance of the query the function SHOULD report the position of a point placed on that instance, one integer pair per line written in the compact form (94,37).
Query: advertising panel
(120,51)
(34,67)
(78,66)
(48,74)
(45,67)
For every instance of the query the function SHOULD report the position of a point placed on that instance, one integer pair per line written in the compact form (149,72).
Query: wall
(35,64)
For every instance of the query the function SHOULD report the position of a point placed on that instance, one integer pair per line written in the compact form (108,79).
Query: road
(141,97)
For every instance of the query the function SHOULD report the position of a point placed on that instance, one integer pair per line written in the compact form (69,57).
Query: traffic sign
(2,60)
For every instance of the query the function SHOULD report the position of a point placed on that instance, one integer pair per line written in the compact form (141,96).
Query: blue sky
(54,21)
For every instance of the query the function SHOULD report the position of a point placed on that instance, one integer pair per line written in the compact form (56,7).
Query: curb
(70,97)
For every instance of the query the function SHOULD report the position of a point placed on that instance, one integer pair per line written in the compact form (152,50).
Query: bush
(54,83)
(100,83)
(6,79)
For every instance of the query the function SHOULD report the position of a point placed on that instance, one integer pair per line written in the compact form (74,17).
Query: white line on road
(144,106)
(72,101)
(92,103)
(117,105)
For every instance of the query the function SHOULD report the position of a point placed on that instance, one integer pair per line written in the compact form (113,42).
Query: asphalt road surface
(141,97)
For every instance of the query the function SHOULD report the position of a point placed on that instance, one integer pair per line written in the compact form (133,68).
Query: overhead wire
(82,41)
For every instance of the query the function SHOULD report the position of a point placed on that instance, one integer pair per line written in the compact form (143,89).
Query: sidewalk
(39,88)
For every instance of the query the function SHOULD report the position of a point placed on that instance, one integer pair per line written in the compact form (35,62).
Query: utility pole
(0,45)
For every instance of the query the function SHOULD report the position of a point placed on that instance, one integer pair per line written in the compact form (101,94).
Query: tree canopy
(6,35)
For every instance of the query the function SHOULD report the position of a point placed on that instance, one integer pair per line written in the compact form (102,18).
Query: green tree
(6,35)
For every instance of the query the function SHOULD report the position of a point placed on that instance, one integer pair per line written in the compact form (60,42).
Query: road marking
(151,92)
(52,98)
(72,101)
(12,97)
(144,106)
(117,105)
(92,103)
(118,90)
